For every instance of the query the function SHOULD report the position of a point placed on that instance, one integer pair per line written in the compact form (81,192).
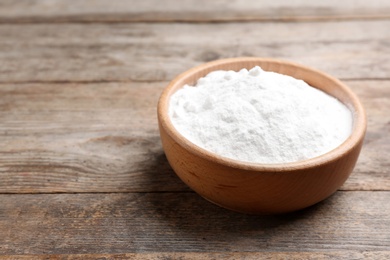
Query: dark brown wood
(344,254)
(158,52)
(184,222)
(103,137)
(189,11)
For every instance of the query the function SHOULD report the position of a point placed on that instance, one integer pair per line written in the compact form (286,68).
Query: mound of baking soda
(260,117)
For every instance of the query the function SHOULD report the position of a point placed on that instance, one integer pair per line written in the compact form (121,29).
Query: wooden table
(83,174)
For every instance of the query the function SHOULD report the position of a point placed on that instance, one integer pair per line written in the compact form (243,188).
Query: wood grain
(158,52)
(79,83)
(82,138)
(103,137)
(374,165)
(189,11)
(344,254)
(184,222)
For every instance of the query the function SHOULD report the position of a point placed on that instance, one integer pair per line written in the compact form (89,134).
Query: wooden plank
(189,11)
(184,222)
(103,137)
(214,255)
(82,138)
(158,52)
(373,169)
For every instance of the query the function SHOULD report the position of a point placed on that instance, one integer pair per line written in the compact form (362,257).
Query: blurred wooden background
(83,174)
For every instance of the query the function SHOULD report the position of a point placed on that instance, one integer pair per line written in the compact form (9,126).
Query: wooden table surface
(83,173)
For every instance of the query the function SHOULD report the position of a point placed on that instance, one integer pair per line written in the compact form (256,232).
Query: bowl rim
(357,135)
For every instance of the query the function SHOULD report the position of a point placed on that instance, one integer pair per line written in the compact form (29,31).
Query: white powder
(258,116)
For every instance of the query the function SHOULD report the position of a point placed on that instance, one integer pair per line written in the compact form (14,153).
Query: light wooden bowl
(262,188)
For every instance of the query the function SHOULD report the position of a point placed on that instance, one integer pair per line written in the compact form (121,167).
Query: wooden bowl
(262,188)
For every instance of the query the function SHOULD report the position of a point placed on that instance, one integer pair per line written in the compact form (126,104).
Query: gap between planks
(149,192)
(140,81)
(40,20)
(344,254)
(61,11)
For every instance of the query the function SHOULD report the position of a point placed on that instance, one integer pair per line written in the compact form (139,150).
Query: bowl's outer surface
(261,188)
